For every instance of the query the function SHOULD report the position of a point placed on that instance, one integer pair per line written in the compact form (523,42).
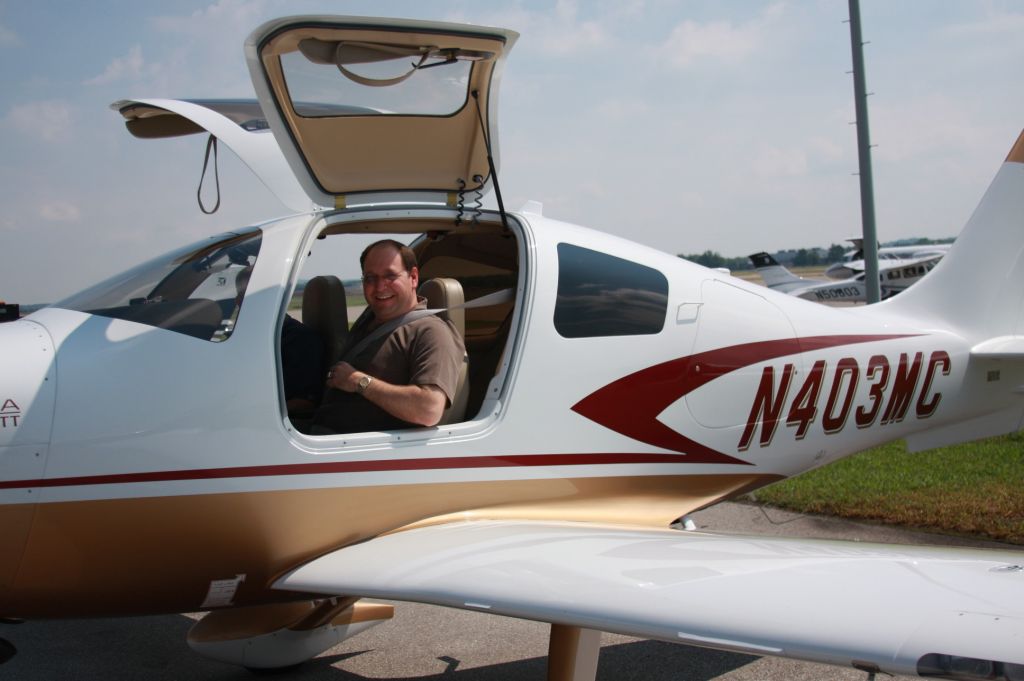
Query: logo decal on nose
(10,414)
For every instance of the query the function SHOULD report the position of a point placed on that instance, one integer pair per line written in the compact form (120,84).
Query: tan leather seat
(325,311)
(446,293)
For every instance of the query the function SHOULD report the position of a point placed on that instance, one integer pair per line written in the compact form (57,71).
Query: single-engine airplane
(893,278)
(889,257)
(779,278)
(148,463)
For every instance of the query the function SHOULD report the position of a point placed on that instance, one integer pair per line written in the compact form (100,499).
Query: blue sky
(685,125)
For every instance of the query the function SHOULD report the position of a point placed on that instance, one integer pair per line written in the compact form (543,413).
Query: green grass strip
(974,489)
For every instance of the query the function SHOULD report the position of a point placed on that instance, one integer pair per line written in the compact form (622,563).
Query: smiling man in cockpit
(400,366)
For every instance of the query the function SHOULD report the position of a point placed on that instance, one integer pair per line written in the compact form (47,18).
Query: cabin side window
(603,295)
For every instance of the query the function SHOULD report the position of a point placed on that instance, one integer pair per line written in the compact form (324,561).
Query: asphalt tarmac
(428,642)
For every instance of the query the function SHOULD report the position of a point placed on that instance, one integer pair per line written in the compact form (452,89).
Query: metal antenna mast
(867,193)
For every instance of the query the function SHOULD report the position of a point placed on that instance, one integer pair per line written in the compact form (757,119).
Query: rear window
(603,295)
(478,280)
(195,290)
(319,89)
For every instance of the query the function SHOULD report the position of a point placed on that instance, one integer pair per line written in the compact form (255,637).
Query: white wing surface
(899,609)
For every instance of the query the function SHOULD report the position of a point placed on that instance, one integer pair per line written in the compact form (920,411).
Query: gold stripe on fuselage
(159,554)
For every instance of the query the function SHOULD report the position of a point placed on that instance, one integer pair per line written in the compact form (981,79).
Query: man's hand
(343,376)
(420,404)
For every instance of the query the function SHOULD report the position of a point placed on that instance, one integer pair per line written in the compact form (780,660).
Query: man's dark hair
(408,257)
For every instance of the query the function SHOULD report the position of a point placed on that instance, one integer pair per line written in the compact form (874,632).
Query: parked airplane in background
(779,278)
(893,279)
(148,463)
(889,258)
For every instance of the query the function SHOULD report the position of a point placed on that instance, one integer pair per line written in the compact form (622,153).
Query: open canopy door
(380,110)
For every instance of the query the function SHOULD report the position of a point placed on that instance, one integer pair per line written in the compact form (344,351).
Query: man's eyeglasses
(373,279)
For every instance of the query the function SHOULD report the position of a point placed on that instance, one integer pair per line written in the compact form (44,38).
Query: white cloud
(623,109)
(8,38)
(572,37)
(60,211)
(719,40)
(691,42)
(128,66)
(559,31)
(48,120)
(920,126)
(994,24)
(776,162)
(826,148)
(210,21)
(588,35)
(204,56)
(627,8)
(563,32)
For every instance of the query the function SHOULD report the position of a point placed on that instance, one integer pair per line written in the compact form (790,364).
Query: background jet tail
(775,275)
(977,290)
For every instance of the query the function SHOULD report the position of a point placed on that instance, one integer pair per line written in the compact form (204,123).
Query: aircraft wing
(898,608)
(1001,347)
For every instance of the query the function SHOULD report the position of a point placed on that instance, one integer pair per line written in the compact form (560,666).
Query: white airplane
(893,279)
(779,278)
(148,463)
(889,258)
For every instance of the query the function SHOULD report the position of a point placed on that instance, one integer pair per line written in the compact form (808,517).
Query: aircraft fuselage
(147,470)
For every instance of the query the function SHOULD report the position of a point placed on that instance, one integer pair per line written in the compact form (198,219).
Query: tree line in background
(796,257)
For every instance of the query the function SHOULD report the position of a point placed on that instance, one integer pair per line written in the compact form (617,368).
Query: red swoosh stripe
(436,463)
(630,406)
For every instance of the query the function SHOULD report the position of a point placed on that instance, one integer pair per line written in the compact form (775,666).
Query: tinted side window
(602,295)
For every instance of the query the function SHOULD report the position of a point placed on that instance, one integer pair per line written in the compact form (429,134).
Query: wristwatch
(363,384)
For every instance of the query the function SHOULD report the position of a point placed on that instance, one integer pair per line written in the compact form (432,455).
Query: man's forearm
(419,404)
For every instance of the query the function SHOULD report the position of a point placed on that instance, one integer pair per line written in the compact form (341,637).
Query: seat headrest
(325,310)
(446,293)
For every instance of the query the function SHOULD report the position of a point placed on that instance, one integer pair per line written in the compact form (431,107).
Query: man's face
(389,289)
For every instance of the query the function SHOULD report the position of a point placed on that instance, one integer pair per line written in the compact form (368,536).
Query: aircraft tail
(775,275)
(977,289)
(977,292)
